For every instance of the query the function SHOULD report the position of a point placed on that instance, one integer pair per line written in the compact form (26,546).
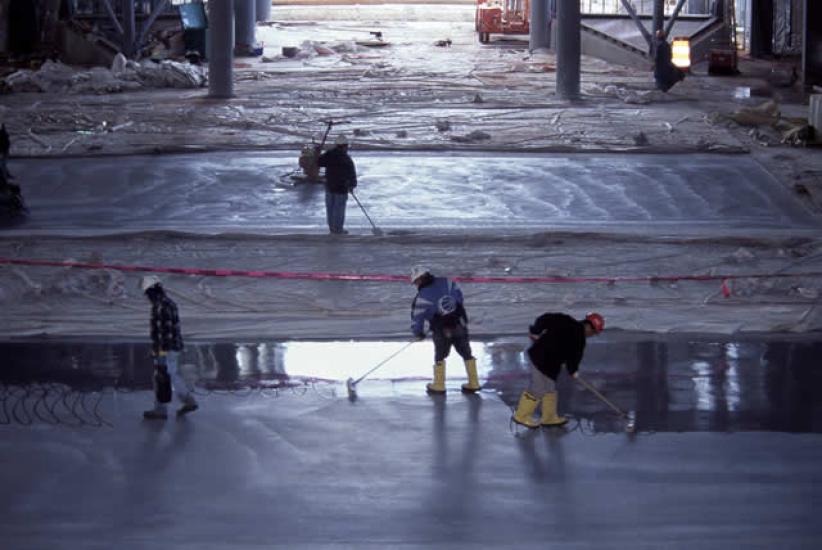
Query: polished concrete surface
(726,452)
(253,192)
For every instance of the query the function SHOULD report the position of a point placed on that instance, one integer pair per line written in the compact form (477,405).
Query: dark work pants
(445,338)
(335,211)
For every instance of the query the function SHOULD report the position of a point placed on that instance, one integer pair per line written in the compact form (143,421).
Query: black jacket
(165,325)
(340,173)
(561,340)
(5,142)
(666,74)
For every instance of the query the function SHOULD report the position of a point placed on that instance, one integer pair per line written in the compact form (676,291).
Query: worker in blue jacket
(439,301)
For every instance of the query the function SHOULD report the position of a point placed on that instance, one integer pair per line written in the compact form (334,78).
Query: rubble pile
(56,77)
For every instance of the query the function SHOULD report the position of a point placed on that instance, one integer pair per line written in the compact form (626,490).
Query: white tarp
(56,77)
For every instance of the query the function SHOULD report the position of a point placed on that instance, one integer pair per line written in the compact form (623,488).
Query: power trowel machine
(310,155)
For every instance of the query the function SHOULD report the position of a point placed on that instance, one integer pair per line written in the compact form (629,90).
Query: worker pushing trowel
(310,154)
(340,179)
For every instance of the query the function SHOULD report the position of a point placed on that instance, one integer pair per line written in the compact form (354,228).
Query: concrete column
(129,28)
(812,45)
(761,28)
(568,49)
(659,15)
(263,10)
(246,26)
(221,48)
(540,32)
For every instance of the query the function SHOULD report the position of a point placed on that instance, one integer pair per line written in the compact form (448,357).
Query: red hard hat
(596,321)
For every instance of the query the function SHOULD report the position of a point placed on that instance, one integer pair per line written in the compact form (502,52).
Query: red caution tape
(320,276)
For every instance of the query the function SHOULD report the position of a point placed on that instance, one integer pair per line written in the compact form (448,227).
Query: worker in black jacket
(340,179)
(166,345)
(5,147)
(666,74)
(557,339)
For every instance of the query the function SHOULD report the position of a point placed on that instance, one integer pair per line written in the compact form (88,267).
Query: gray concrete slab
(251,192)
(303,467)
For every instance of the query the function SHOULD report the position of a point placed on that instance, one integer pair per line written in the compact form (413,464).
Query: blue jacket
(438,301)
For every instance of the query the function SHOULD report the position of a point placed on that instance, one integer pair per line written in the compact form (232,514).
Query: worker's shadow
(453,474)
(551,466)
(164,446)
(308,192)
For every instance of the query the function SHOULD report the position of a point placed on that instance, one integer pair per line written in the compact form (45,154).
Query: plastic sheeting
(57,77)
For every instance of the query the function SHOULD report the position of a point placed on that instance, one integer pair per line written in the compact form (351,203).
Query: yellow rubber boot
(549,411)
(473,385)
(525,410)
(438,385)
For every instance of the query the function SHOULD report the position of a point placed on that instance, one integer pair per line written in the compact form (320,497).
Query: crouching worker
(439,301)
(666,74)
(557,339)
(166,345)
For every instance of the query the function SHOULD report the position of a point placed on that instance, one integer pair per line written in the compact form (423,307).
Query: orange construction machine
(501,17)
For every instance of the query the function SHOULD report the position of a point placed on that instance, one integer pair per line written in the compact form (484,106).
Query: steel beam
(155,13)
(113,16)
(674,16)
(642,30)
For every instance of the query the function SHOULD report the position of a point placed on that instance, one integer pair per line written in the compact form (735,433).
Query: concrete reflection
(672,383)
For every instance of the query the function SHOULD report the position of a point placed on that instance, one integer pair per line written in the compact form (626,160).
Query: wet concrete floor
(253,192)
(672,384)
(278,457)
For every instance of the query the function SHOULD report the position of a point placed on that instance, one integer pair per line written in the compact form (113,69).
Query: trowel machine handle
(325,135)
(327,130)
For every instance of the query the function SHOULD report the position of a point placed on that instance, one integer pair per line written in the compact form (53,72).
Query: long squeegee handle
(384,361)
(363,210)
(604,399)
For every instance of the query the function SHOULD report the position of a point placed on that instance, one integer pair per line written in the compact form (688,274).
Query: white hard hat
(149,281)
(418,271)
(341,140)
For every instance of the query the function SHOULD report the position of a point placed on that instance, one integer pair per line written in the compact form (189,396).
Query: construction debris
(56,77)
(472,137)
(791,131)
(631,97)
(766,114)
(443,125)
